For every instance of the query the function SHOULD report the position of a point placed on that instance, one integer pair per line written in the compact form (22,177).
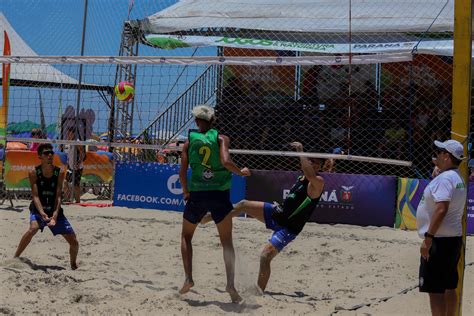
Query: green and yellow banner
(410,193)
(5,90)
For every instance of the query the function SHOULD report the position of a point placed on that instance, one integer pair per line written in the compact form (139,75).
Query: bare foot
(186,287)
(206,219)
(74,266)
(234,296)
(256,290)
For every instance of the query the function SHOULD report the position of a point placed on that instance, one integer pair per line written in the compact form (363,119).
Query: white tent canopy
(36,74)
(313,16)
(29,72)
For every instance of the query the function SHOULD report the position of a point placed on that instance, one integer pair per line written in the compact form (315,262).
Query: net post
(461,107)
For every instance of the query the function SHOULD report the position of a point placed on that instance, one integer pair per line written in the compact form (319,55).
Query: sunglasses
(439,151)
(47,153)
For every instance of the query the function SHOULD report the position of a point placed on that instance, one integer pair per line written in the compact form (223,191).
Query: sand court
(130,263)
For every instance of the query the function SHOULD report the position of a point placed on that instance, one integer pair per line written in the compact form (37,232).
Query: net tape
(233,151)
(213,60)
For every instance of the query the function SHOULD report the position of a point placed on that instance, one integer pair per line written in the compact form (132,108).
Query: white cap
(204,112)
(453,147)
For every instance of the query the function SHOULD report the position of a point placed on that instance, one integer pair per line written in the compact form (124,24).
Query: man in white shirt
(439,223)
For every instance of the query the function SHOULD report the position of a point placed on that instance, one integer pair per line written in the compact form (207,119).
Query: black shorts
(200,202)
(440,272)
(77,176)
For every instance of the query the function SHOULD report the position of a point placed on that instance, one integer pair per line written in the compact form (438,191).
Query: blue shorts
(200,202)
(62,224)
(281,235)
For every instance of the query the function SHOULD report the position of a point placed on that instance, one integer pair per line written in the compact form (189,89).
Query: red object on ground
(90,204)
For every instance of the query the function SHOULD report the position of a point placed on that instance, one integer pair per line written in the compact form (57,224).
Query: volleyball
(124,91)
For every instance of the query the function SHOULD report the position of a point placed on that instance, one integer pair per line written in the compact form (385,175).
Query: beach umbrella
(22,135)
(25,126)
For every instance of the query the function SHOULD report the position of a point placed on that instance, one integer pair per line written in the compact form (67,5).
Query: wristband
(428,235)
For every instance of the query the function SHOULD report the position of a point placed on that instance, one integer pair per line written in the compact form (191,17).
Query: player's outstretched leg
(251,208)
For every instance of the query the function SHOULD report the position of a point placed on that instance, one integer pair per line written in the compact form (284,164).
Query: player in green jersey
(208,190)
(286,220)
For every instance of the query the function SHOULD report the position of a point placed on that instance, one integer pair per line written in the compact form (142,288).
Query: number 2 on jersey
(206,151)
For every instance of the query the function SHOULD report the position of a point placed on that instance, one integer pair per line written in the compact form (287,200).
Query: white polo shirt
(447,186)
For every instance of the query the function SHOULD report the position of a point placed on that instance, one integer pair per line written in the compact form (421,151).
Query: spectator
(76,155)
(395,136)
(309,89)
(233,94)
(330,164)
(36,133)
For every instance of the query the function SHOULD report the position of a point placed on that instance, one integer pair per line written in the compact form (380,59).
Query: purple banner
(470,208)
(347,198)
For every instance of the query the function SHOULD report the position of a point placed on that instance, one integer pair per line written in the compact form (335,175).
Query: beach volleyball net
(371,118)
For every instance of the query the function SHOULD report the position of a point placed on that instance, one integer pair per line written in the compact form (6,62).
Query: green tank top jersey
(207,171)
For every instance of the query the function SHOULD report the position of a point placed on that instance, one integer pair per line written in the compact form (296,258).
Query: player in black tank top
(47,187)
(45,209)
(297,207)
(286,220)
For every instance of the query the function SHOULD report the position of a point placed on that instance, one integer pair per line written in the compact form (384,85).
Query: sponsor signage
(98,167)
(347,198)
(157,186)
(438,47)
(18,163)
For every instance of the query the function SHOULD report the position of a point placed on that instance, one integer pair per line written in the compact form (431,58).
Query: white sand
(130,263)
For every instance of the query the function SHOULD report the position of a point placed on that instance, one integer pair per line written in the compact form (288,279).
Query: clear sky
(54,27)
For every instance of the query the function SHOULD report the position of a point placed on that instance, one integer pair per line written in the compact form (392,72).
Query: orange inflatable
(16,146)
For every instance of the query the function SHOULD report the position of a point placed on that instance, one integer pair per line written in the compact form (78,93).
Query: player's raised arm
(310,168)
(306,166)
